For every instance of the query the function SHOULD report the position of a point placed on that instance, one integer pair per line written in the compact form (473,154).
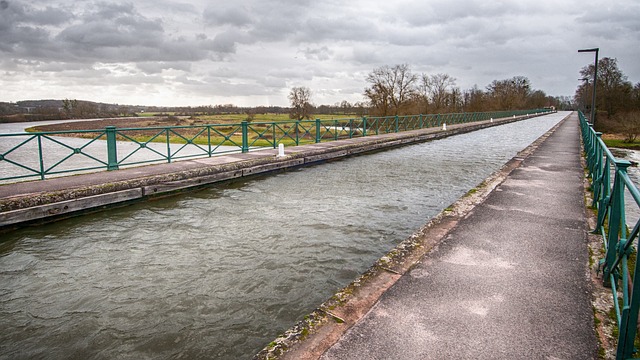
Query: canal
(220,272)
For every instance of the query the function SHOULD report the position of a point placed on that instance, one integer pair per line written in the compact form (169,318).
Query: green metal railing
(619,261)
(45,154)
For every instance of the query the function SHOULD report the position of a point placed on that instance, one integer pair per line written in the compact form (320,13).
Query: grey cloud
(225,42)
(210,86)
(317,29)
(367,55)
(60,66)
(48,16)
(425,13)
(111,25)
(17,26)
(156,67)
(186,80)
(611,22)
(170,6)
(273,82)
(321,53)
(15,13)
(223,72)
(104,32)
(102,10)
(94,35)
(227,14)
(252,48)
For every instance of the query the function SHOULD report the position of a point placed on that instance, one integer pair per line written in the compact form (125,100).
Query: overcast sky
(251,52)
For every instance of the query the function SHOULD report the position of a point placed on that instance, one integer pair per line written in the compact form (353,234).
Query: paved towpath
(508,282)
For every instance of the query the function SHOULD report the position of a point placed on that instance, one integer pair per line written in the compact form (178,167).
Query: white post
(280,150)
(491,119)
(444,126)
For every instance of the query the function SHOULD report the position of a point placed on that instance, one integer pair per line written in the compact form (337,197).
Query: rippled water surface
(632,209)
(220,272)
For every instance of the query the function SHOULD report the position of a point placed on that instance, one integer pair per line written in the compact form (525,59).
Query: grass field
(225,129)
(237,118)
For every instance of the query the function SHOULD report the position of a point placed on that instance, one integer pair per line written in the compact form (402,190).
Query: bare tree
(614,92)
(391,90)
(300,98)
(474,99)
(509,94)
(440,91)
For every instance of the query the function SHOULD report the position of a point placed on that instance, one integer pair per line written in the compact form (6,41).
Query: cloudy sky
(251,52)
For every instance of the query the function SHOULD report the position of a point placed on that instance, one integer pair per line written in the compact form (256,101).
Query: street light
(583,95)
(595,77)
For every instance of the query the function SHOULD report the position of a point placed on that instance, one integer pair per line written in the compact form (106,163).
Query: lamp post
(584,93)
(595,79)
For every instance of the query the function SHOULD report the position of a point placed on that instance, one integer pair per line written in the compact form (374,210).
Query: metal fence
(46,154)
(620,258)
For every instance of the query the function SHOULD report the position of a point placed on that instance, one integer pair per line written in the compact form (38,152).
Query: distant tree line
(391,90)
(395,90)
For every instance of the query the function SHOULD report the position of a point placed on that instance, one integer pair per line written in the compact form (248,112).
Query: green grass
(153,114)
(269,117)
(235,140)
(617,143)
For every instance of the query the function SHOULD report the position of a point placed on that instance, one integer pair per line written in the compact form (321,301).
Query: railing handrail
(609,200)
(58,132)
(214,139)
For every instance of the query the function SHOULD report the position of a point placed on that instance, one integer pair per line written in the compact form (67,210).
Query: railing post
(245,136)
(112,151)
(627,332)
(297,132)
(350,128)
(421,121)
(209,140)
(40,158)
(318,134)
(274,135)
(605,196)
(168,138)
(616,216)
(597,174)
(397,125)
(364,126)
(592,152)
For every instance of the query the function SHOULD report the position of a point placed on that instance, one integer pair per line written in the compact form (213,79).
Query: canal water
(220,272)
(632,209)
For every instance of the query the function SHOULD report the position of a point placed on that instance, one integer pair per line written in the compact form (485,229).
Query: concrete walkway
(510,281)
